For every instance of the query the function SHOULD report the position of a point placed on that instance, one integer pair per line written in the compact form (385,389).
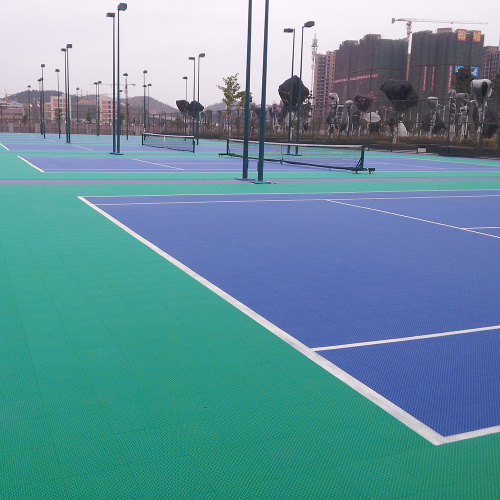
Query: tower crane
(410,20)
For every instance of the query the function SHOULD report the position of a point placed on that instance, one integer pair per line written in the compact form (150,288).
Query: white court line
(31,164)
(484,227)
(405,339)
(81,147)
(160,164)
(405,418)
(289,200)
(3,146)
(415,218)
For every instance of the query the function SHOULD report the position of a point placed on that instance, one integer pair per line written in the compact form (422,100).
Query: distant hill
(155,106)
(220,106)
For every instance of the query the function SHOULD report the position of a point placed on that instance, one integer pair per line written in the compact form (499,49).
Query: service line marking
(31,164)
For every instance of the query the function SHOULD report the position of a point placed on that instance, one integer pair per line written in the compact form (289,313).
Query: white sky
(160,35)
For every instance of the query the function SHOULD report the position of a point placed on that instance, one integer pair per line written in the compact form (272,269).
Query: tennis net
(177,142)
(345,157)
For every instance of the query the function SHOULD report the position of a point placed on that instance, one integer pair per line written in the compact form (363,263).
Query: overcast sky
(160,35)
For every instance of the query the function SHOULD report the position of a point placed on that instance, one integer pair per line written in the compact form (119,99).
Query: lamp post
(29,108)
(185,78)
(246,131)
(262,131)
(290,30)
(112,15)
(58,104)
(68,108)
(98,117)
(149,85)
(144,100)
(121,8)
(198,102)
(309,24)
(39,102)
(194,87)
(43,105)
(126,99)
(77,120)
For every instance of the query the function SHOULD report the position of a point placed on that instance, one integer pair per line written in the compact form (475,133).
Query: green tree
(234,97)
(462,79)
(89,117)
(24,119)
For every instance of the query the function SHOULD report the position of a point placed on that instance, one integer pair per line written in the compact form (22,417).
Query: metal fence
(448,126)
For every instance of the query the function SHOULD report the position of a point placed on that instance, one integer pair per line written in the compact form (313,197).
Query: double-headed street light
(29,108)
(185,78)
(144,100)
(309,24)
(290,30)
(43,106)
(121,8)
(77,120)
(58,104)
(194,87)
(66,87)
(198,102)
(112,15)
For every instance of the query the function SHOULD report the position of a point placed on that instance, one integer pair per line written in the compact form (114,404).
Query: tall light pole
(198,102)
(29,108)
(144,100)
(309,24)
(39,102)
(121,8)
(112,15)
(58,104)
(290,30)
(246,130)
(68,108)
(126,99)
(185,124)
(149,85)
(98,117)
(77,120)
(262,131)
(194,87)
(43,105)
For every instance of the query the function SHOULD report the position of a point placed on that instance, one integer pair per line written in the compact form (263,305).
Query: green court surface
(122,377)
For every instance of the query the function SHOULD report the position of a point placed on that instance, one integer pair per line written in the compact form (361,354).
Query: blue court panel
(113,164)
(331,274)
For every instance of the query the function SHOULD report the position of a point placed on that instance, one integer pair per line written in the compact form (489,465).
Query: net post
(362,159)
(142,139)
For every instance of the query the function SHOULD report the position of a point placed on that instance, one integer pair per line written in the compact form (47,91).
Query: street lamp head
(122,6)
(192,58)
(77,89)
(289,30)
(110,14)
(125,74)
(202,54)
(29,86)
(184,77)
(43,65)
(57,71)
(145,71)
(63,50)
(150,84)
(69,45)
(309,24)
(99,82)
(144,86)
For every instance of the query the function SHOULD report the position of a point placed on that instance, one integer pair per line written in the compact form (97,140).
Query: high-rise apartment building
(436,57)
(491,62)
(324,74)
(362,67)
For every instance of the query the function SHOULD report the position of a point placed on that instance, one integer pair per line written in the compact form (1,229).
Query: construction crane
(410,20)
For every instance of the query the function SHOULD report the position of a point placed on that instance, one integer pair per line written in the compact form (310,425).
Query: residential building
(11,110)
(324,74)
(436,57)
(361,67)
(491,62)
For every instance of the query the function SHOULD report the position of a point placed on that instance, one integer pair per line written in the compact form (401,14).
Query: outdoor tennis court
(326,335)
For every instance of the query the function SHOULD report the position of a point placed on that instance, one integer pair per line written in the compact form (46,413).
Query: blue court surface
(395,293)
(91,154)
